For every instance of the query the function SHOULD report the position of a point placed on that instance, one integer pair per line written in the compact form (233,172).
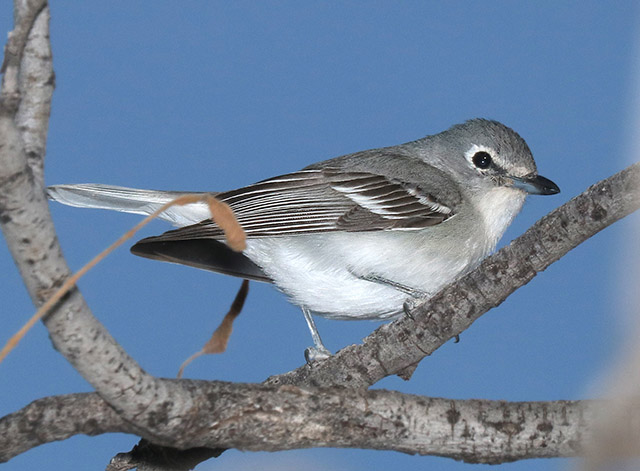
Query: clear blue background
(203,95)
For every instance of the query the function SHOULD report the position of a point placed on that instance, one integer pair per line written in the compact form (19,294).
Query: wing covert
(323,200)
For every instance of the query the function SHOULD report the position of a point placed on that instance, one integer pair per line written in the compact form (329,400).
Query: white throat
(497,208)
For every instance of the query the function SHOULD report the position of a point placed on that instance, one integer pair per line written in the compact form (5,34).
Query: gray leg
(318,351)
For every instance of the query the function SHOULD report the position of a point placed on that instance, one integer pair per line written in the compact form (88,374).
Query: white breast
(498,207)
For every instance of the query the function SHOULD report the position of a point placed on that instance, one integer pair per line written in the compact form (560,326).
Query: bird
(357,236)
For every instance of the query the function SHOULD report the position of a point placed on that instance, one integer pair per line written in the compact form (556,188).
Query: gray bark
(259,417)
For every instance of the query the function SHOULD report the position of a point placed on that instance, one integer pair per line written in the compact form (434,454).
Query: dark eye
(481,159)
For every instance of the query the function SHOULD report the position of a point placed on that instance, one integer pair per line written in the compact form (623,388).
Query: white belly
(322,272)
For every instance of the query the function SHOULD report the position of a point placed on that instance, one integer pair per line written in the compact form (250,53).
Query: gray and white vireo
(356,236)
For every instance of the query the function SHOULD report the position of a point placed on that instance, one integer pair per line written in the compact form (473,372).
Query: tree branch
(24,14)
(38,81)
(257,417)
(57,418)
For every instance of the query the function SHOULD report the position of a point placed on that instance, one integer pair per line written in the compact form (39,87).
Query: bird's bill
(536,185)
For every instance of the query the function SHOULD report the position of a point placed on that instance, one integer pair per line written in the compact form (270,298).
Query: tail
(129,200)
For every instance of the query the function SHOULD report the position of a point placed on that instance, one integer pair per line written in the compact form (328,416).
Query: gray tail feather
(128,200)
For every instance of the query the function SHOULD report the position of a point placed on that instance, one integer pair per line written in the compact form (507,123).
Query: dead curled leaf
(221,214)
(218,341)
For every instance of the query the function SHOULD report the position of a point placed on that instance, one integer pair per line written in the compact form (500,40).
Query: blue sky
(216,95)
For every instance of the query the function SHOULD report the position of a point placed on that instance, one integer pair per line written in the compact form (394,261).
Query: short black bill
(536,185)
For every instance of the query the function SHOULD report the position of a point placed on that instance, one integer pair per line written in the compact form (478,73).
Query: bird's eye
(481,159)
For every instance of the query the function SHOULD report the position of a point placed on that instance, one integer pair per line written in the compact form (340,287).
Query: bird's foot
(410,305)
(314,354)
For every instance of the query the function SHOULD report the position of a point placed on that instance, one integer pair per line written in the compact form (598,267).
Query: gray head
(484,153)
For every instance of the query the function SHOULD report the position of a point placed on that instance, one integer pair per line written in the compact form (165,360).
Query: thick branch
(38,80)
(25,14)
(257,417)
(57,418)
(401,344)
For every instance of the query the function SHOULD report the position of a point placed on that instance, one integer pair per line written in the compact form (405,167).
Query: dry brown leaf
(218,341)
(221,214)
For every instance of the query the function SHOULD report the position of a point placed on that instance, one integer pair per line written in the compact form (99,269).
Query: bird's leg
(318,351)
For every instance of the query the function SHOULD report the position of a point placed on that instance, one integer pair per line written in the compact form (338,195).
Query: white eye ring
(480,157)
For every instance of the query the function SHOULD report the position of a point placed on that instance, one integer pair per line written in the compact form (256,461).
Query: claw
(407,308)
(314,354)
